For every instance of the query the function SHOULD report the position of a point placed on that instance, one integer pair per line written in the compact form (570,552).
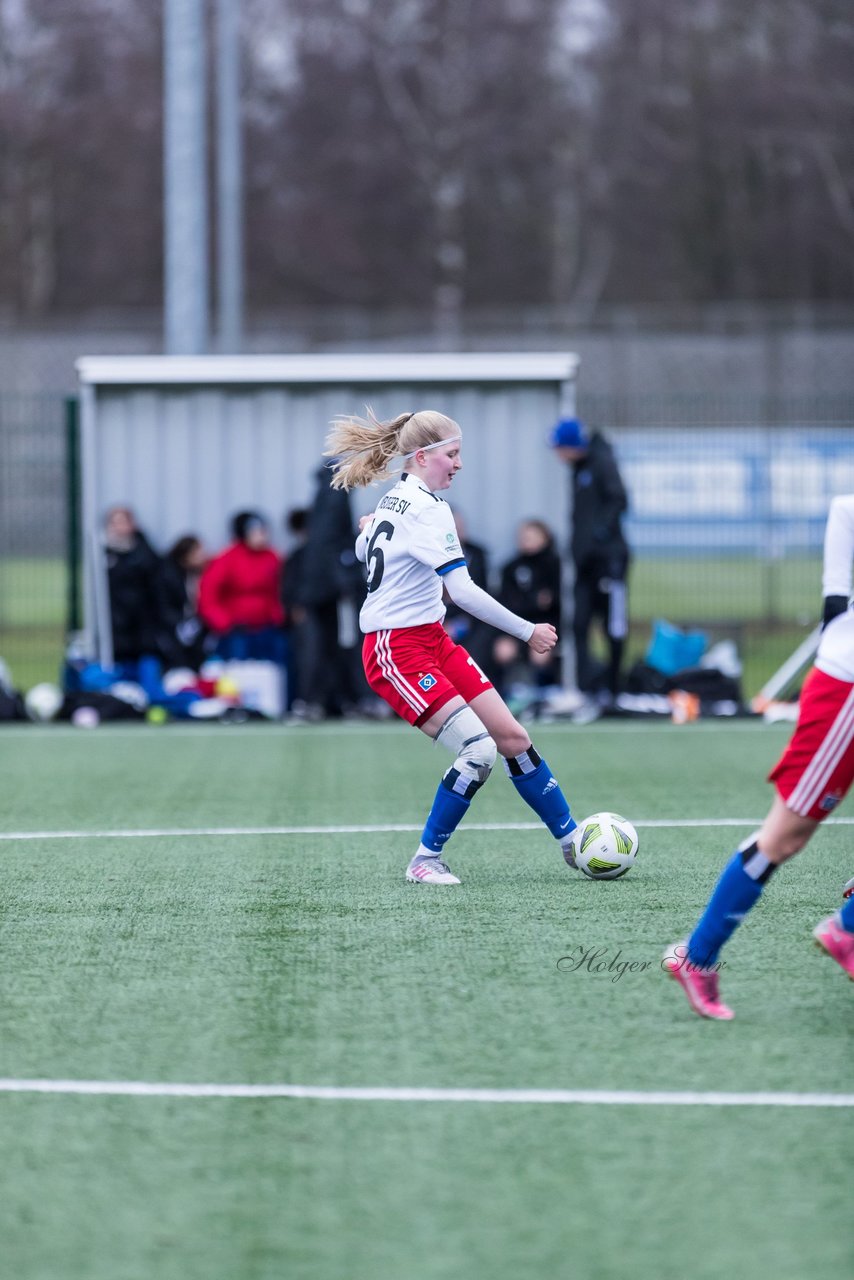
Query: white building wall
(187,454)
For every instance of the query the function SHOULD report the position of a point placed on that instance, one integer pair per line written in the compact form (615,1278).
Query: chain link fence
(727,529)
(35,518)
(726,521)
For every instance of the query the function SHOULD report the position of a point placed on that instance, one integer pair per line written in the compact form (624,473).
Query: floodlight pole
(229,180)
(185,293)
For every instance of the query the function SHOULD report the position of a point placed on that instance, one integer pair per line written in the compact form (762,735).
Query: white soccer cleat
(430,871)
(568,850)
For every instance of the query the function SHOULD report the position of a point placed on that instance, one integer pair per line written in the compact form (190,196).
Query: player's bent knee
(477,758)
(514,741)
(465,734)
(784,833)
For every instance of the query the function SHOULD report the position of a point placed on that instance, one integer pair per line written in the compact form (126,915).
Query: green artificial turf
(304,958)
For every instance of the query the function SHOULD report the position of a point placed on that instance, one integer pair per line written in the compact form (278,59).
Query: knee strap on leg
(465,734)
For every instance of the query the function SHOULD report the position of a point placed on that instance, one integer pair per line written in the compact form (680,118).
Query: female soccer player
(812,776)
(411,549)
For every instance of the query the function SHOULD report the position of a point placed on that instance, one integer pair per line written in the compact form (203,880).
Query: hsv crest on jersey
(427,682)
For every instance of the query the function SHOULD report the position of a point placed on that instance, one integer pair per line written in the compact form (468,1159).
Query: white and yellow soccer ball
(605,846)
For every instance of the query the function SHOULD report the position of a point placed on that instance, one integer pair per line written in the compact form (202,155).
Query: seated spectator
(240,594)
(181,633)
(132,571)
(530,586)
(298,659)
(132,567)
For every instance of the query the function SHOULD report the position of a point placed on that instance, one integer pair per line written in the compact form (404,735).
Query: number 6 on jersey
(375,557)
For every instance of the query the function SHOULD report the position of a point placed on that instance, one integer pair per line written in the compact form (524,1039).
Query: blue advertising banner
(729,490)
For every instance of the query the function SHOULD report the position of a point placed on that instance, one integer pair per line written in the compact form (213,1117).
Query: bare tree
(79,154)
(445,155)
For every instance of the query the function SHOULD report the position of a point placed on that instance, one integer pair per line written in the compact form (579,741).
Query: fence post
(72,481)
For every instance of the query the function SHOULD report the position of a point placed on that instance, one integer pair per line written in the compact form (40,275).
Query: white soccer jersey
(839,547)
(408,546)
(836,649)
(835,655)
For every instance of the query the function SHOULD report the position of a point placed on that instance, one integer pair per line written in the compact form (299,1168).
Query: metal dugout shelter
(187,441)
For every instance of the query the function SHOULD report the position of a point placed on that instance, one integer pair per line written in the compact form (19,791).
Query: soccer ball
(605,846)
(43,701)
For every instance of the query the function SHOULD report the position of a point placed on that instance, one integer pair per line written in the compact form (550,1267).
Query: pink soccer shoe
(837,942)
(699,985)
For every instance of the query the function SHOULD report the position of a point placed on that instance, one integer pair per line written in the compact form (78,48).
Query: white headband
(427,447)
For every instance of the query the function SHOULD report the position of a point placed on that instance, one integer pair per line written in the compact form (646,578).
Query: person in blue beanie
(599,549)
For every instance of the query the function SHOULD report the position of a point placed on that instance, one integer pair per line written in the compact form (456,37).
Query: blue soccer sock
(453,797)
(738,889)
(533,779)
(846,915)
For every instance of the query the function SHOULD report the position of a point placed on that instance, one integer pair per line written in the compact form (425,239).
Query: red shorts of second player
(817,767)
(416,670)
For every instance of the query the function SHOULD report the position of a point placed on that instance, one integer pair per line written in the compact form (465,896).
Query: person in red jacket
(240,594)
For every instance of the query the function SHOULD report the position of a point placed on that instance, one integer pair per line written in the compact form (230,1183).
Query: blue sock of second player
(738,889)
(533,779)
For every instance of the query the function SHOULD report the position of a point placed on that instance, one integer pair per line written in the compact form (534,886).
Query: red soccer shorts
(817,767)
(416,670)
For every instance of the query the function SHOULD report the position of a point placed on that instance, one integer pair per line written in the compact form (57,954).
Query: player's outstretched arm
(471,598)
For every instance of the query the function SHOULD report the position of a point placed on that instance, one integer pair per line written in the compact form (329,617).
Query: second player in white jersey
(836,649)
(814,773)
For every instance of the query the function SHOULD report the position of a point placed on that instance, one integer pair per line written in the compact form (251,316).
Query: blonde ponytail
(364,447)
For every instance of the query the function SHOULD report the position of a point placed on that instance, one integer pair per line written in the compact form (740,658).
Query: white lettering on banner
(696,487)
(803,483)
(687,480)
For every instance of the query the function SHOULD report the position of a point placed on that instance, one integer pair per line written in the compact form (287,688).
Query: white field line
(146,833)
(334,1093)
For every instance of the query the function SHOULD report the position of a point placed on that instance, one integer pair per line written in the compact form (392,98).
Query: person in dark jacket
(530,586)
(132,567)
(599,550)
(331,589)
(293,577)
(181,633)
